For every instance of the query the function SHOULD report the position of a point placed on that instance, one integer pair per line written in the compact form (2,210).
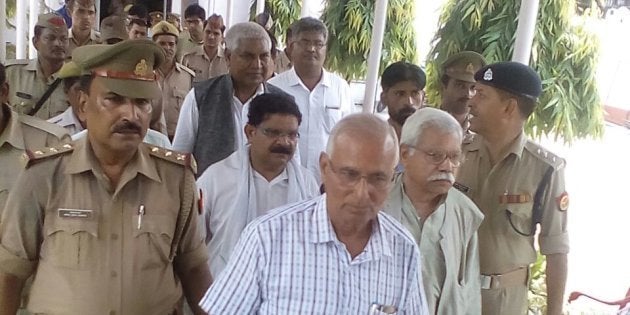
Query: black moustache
(281,150)
(126,127)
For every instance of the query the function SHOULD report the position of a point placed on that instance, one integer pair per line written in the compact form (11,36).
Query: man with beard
(107,224)
(442,220)
(256,178)
(214,113)
(174,78)
(323,97)
(208,60)
(457,84)
(34,82)
(83,13)
(519,186)
(402,83)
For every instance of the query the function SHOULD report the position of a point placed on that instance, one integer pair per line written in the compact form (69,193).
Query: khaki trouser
(506,294)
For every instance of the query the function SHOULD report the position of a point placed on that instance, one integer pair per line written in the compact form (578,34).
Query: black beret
(512,77)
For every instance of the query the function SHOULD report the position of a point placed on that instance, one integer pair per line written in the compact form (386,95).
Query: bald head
(363,128)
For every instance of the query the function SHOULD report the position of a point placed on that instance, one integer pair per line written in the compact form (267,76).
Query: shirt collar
(321,231)
(83,159)
(517,146)
(294,79)
(202,52)
(12,133)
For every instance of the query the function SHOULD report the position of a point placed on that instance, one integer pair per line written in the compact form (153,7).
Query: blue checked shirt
(291,262)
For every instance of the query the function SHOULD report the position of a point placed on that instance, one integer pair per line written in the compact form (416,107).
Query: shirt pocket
(332,114)
(178,97)
(70,243)
(153,240)
(517,218)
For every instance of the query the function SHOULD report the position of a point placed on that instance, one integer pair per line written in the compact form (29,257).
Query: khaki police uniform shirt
(27,85)
(22,133)
(186,45)
(175,86)
(95,38)
(447,240)
(204,67)
(510,185)
(80,236)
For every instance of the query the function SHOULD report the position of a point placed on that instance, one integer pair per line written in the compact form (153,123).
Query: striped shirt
(291,262)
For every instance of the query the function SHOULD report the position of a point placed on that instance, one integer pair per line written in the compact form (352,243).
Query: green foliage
(537,294)
(283,13)
(349,24)
(564,54)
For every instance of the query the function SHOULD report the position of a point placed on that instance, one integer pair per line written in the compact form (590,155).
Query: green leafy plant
(283,13)
(564,54)
(350,24)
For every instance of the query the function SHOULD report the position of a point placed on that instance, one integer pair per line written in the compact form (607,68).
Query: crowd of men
(151,169)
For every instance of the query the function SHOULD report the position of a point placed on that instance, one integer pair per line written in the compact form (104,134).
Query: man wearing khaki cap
(113,30)
(457,82)
(35,89)
(108,225)
(174,78)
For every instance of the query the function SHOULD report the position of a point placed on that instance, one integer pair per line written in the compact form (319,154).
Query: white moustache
(442,176)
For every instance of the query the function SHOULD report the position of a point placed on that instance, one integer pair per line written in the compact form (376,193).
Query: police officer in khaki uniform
(457,83)
(192,37)
(17,134)
(108,225)
(83,13)
(113,30)
(208,60)
(30,79)
(518,185)
(174,78)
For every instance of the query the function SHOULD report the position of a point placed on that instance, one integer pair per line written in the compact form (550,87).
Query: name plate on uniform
(523,198)
(75,213)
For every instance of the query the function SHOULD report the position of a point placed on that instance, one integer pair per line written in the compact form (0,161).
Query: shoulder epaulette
(544,155)
(190,71)
(43,125)
(185,159)
(31,157)
(13,62)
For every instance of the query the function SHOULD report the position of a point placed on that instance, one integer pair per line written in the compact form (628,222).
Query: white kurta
(233,194)
(449,248)
(321,109)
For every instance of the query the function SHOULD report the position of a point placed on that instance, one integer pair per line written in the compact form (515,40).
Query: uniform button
(113,274)
(114,236)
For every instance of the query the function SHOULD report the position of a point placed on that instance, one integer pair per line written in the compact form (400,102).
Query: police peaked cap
(512,77)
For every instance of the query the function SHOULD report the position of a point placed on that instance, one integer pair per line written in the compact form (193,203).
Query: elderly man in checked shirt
(334,254)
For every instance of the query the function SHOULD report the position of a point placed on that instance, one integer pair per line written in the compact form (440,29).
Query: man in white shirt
(334,254)
(323,97)
(69,119)
(258,177)
(214,112)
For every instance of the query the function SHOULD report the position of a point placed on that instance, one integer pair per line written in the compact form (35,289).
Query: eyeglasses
(437,158)
(277,134)
(350,177)
(305,43)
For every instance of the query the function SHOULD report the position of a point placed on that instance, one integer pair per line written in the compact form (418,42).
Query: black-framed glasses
(350,177)
(438,157)
(278,134)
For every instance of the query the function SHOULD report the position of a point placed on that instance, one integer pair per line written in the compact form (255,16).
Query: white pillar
(20,29)
(228,14)
(304,11)
(260,6)
(374,59)
(3,22)
(527,17)
(176,7)
(97,20)
(32,20)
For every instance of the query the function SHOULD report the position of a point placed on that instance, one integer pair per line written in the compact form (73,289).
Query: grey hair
(308,24)
(363,125)
(239,33)
(428,117)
